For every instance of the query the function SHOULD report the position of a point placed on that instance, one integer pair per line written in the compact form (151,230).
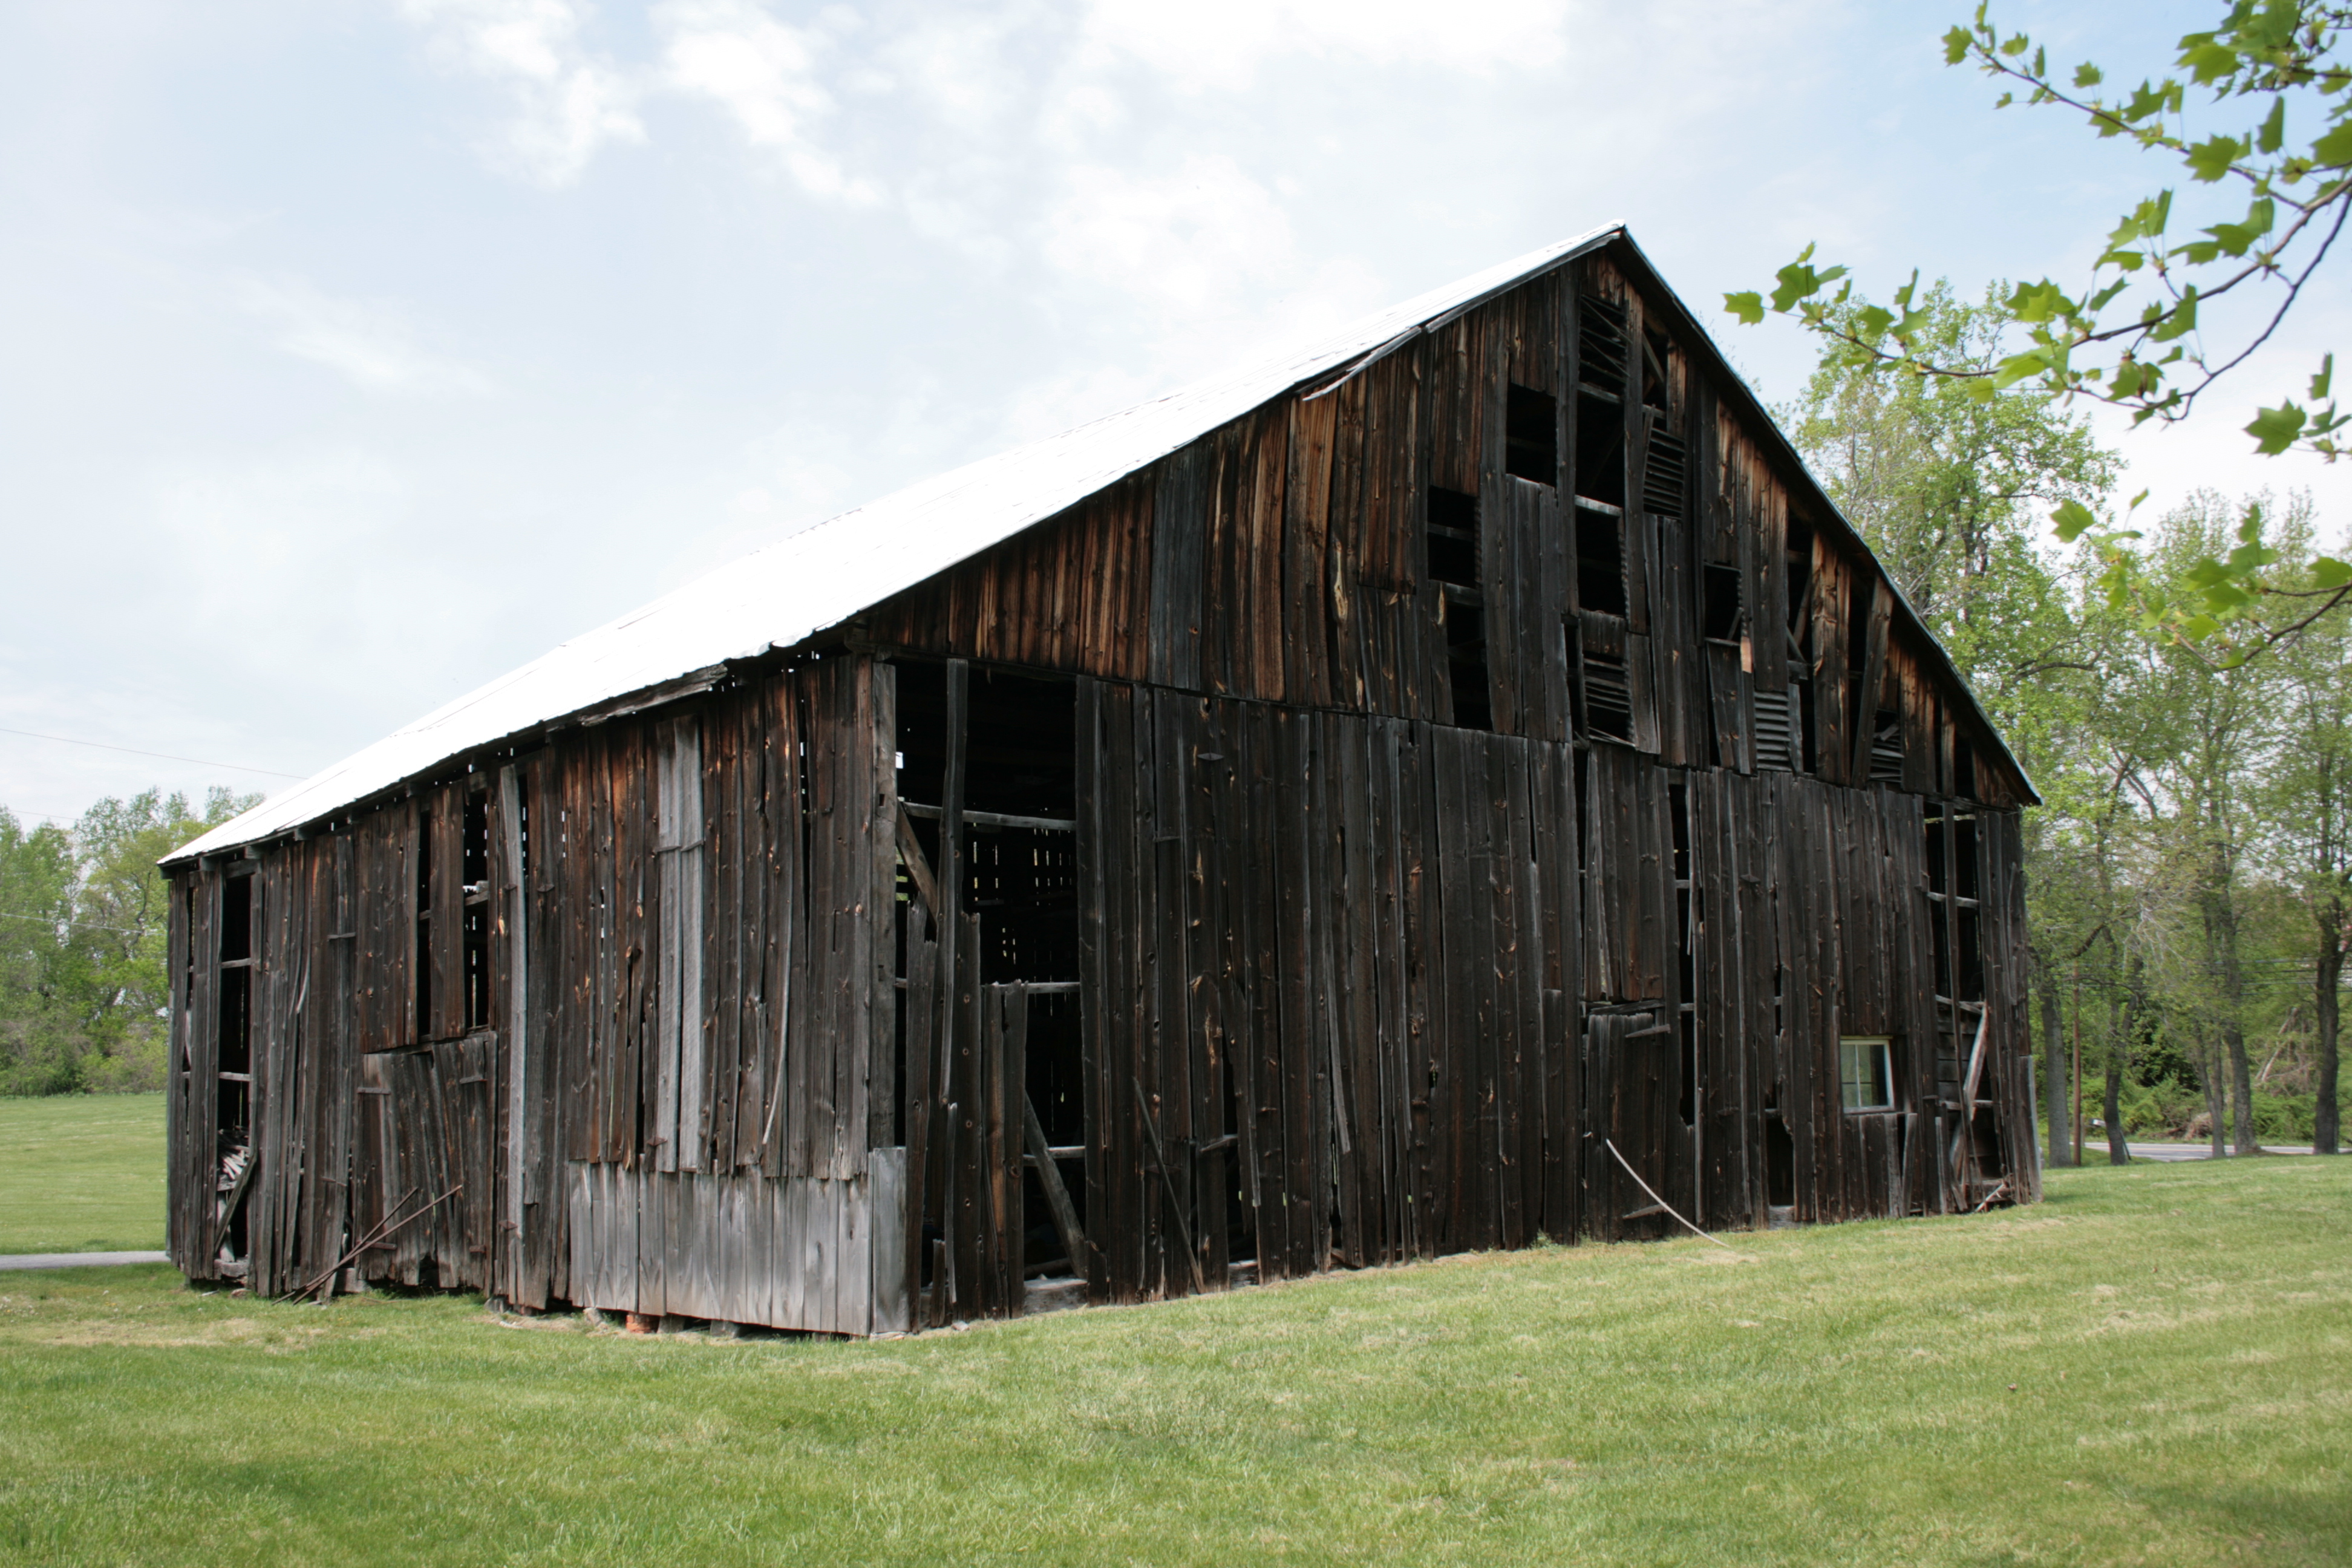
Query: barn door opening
(233,1103)
(989,964)
(1633,1079)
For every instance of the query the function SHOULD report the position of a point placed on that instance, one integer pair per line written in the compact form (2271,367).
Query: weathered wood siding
(1501,783)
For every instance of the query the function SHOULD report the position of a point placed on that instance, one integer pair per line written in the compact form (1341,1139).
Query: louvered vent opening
(1665,477)
(1608,699)
(1886,748)
(1602,343)
(1773,711)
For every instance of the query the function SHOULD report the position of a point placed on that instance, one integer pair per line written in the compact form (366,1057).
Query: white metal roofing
(779,596)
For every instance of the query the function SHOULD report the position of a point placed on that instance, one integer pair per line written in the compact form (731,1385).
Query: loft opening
(1655,351)
(1452,538)
(1454,556)
(1600,557)
(1531,435)
(233,988)
(474,967)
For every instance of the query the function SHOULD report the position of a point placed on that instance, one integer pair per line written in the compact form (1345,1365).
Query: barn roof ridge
(783,593)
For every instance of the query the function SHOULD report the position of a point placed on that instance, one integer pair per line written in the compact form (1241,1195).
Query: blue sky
(356,350)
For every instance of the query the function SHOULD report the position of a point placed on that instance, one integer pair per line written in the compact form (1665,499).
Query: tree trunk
(2119,1041)
(2208,1067)
(2324,1133)
(2053,1033)
(2241,1089)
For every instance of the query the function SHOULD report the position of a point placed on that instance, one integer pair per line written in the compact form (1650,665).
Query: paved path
(77,1259)
(2095,1152)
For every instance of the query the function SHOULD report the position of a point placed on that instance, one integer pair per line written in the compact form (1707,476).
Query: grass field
(2155,1367)
(82,1172)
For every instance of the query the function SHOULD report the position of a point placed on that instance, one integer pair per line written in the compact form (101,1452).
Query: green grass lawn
(82,1172)
(2155,1367)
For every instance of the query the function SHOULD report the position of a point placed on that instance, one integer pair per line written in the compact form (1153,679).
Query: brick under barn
(1455,785)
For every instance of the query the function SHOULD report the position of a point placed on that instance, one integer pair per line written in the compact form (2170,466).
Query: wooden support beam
(919,864)
(1057,1197)
(1168,1179)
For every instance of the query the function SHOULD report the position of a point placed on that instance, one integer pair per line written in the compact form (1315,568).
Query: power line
(133,751)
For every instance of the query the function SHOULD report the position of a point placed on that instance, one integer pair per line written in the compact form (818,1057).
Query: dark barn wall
(1427,785)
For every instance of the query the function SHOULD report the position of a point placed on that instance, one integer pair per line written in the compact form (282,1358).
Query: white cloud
(764,73)
(1209,253)
(567,103)
(1188,240)
(1223,43)
(370,343)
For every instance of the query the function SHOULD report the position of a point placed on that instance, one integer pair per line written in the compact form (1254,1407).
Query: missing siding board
(474,974)
(1600,560)
(420,1025)
(1655,351)
(1531,440)
(1799,577)
(1780,1164)
(1464,618)
(1886,748)
(1453,537)
(1454,554)
(1600,449)
(1720,619)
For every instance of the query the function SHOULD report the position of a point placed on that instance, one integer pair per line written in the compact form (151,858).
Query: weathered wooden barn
(1457,784)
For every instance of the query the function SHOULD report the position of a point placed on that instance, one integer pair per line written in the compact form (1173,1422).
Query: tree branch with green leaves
(2133,336)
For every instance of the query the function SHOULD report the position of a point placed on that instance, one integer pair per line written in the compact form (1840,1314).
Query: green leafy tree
(2309,805)
(2132,334)
(1945,486)
(84,926)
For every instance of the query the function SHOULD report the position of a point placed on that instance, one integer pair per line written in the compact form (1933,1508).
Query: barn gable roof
(786,593)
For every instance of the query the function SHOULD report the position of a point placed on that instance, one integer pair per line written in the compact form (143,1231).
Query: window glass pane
(1865,1074)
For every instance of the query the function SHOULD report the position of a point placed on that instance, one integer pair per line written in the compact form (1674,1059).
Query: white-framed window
(1867,1072)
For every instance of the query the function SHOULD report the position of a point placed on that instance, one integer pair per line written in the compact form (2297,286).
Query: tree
(2310,804)
(84,924)
(1939,482)
(38,1046)
(2132,335)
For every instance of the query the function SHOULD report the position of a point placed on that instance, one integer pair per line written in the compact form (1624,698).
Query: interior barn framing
(1477,791)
